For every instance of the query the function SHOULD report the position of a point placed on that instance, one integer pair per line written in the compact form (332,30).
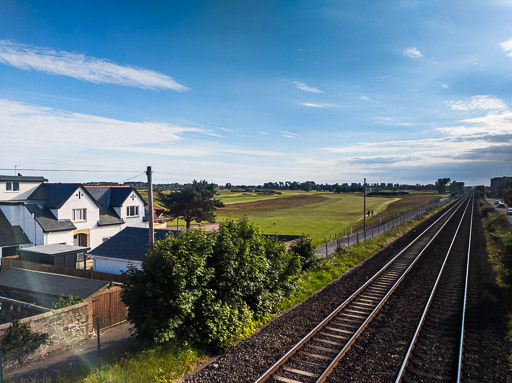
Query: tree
(441,184)
(208,289)
(456,187)
(195,202)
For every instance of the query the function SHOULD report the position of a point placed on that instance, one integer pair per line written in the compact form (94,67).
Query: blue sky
(254,91)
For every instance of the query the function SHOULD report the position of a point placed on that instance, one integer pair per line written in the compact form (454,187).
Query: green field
(315,213)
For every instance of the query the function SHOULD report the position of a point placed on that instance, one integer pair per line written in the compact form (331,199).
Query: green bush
(19,335)
(209,288)
(64,301)
(304,249)
(485,210)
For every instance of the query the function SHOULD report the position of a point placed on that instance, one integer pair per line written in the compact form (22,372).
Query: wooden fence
(108,307)
(8,262)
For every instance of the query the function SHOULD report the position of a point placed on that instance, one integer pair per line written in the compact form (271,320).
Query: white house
(69,213)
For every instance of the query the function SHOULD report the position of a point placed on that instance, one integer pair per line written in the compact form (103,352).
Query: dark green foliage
(64,301)
(506,261)
(194,202)
(209,288)
(19,335)
(485,210)
(441,184)
(304,249)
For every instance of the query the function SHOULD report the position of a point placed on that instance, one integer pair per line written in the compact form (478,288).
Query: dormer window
(132,211)
(12,186)
(79,214)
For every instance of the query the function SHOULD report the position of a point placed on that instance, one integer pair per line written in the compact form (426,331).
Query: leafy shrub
(64,301)
(19,335)
(304,249)
(485,210)
(209,288)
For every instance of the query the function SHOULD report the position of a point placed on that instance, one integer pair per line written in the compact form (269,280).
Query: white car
(509,211)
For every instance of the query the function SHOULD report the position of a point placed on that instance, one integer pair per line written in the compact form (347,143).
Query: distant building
(67,213)
(498,184)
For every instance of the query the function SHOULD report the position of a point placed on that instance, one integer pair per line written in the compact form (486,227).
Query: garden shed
(71,257)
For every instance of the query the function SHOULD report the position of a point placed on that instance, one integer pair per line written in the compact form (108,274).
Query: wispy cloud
(390,121)
(479,103)
(287,134)
(82,67)
(444,86)
(366,98)
(316,105)
(506,46)
(306,88)
(413,53)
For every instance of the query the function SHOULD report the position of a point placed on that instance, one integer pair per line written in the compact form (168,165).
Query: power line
(72,170)
(131,178)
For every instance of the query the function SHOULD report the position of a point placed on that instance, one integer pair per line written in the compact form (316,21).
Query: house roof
(55,195)
(55,249)
(49,283)
(113,196)
(11,235)
(131,243)
(23,178)
(47,220)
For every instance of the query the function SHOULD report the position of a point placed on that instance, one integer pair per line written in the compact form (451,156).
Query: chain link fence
(374,228)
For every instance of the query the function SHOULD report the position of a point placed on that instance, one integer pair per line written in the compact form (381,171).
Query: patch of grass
(162,363)
(338,263)
(497,235)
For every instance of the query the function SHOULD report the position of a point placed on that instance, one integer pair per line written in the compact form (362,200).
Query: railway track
(317,354)
(435,353)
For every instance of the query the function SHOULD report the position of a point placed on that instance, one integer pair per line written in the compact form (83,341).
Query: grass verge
(497,236)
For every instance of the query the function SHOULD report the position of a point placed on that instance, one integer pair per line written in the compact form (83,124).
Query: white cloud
(306,88)
(263,133)
(506,46)
(287,134)
(390,121)
(444,86)
(412,53)
(316,105)
(81,67)
(479,103)
(366,98)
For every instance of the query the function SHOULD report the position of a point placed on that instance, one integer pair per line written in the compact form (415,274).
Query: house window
(79,214)
(132,211)
(12,186)
(80,261)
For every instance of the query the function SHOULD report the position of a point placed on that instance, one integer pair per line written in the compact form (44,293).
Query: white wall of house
(102,233)
(18,215)
(26,188)
(133,221)
(64,237)
(83,201)
(113,265)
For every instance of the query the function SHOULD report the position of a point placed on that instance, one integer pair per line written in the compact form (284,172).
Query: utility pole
(364,208)
(149,173)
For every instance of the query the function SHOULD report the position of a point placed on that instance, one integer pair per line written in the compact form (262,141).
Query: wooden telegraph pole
(149,173)
(364,208)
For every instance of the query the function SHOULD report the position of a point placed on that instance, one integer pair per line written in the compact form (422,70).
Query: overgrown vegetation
(19,336)
(210,289)
(499,248)
(64,301)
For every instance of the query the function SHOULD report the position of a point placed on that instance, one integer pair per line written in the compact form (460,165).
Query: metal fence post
(326,250)
(1,368)
(98,332)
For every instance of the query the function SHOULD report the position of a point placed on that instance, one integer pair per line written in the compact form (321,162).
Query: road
(501,210)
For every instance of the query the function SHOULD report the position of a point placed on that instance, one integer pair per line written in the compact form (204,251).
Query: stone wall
(11,309)
(64,327)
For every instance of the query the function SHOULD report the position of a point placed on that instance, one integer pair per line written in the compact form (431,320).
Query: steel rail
(466,282)
(267,374)
(427,306)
